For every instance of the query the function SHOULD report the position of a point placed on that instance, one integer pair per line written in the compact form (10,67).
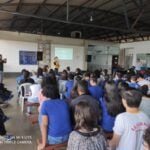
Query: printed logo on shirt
(139,126)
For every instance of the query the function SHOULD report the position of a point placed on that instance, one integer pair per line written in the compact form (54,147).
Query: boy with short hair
(133,82)
(130,125)
(95,90)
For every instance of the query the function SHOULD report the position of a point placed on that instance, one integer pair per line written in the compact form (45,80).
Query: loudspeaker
(39,56)
(89,58)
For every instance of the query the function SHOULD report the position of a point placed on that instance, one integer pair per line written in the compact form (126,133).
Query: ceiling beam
(58,7)
(142,8)
(35,13)
(64,21)
(72,11)
(126,14)
(101,11)
(15,17)
(6,3)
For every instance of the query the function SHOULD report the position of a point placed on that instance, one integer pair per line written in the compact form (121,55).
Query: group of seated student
(83,108)
(5,96)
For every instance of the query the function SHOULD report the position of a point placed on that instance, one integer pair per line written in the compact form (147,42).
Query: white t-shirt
(131,128)
(144,82)
(145,105)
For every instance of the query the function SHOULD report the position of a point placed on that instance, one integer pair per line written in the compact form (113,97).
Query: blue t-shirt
(107,121)
(96,92)
(134,85)
(57,111)
(69,86)
(19,78)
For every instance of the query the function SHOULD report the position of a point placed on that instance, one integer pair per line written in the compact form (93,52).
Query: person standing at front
(2,61)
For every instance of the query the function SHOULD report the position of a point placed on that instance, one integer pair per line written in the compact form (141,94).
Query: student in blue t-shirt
(95,90)
(133,83)
(111,106)
(69,86)
(55,118)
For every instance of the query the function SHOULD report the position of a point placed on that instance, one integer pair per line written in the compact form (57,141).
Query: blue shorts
(57,140)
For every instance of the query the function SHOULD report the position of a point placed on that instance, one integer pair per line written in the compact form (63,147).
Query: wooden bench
(62,146)
(28,104)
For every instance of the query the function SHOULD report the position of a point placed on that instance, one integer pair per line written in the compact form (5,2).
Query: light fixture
(91,18)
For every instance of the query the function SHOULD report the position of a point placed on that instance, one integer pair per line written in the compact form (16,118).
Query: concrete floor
(19,125)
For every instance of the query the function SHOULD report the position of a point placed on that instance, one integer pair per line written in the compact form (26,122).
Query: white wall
(135,48)
(10,50)
(78,57)
(102,55)
(12,42)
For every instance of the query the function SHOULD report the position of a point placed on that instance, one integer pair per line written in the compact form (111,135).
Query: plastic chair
(25,92)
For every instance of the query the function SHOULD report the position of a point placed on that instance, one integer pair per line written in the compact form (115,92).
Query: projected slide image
(64,53)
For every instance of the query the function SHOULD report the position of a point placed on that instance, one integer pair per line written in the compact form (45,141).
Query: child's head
(144,90)
(85,116)
(86,76)
(82,87)
(146,138)
(70,76)
(93,81)
(50,91)
(133,79)
(26,74)
(131,98)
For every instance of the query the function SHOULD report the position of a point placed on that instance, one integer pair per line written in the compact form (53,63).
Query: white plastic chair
(25,92)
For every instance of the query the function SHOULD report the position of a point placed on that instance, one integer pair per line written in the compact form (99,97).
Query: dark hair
(68,68)
(74,93)
(45,68)
(132,97)
(50,91)
(26,74)
(78,71)
(144,90)
(53,77)
(146,136)
(78,78)
(140,75)
(39,72)
(113,99)
(123,86)
(86,74)
(64,76)
(105,71)
(85,116)
(83,86)
(22,71)
(94,79)
(51,71)
(134,78)
(70,76)
(97,73)
(48,80)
